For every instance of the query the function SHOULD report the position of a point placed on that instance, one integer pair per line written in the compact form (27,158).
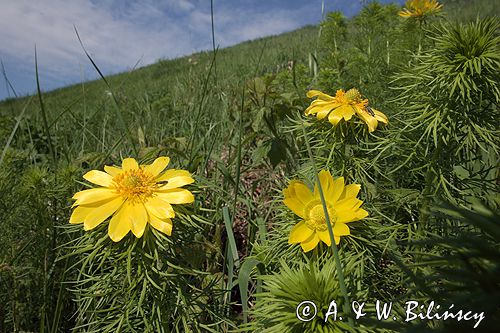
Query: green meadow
(235,119)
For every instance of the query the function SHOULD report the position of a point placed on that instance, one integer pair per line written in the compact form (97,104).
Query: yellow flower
(343,106)
(342,205)
(134,196)
(420,8)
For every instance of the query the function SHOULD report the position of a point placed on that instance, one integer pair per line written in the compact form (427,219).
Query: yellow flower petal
(164,226)
(323,114)
(319,94)
(295,206)
(341,229)
(380,116)
(79,214)
(347,111)
(120,223)
(157,166)
(335,117)
(370,120)
(175,178)
(300,232)
(138,219)
(320,106)
(159,208)
(350,191)
(101,213)
(338,189)
(300,191)
(112,171)
(310,243)
(99,178)
(129,164)
(94,195)
(176,196)
(351,216)
(325,237)
(347,204)
(297,196)
(320,110)
(326,181)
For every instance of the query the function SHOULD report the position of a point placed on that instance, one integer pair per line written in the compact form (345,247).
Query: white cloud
(114,42)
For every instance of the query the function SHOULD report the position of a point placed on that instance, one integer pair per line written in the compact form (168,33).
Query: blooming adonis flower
(342,206)
(343,106)
(134,196)
(420,8)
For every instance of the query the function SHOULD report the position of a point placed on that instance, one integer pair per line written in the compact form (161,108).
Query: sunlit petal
(138,219)
(157,166)
(98,214)
(164,226)
(99,178)
(325,237)
(176,196)
(174,178)
(120,223)
(94,195)
(129,164)
(319,94)
(112,170)
(300,232)
(310,243)
(159,208)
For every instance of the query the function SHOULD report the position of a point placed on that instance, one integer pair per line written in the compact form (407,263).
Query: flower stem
(335,251)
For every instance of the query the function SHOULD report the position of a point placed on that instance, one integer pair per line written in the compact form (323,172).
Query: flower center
(316,216)
(353,95)
(135,185)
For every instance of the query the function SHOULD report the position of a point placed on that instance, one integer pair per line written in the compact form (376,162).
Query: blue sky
(119,33)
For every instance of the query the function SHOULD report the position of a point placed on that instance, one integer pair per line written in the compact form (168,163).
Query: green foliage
(334,29)
(459,267)
(133,285)
(466,59)
(363,51)
(449,95)
(315,281)
(270,102)
(33,205)
(461,11)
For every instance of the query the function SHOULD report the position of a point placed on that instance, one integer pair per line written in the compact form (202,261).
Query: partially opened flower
(343,106)
(420,9)
(342,206)
(134,196)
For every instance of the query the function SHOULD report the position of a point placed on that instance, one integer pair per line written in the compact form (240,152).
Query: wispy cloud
(115,41)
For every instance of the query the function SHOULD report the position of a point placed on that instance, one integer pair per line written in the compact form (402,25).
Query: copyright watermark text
(413,310)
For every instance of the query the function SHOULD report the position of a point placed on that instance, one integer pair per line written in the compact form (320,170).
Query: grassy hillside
(235,120)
